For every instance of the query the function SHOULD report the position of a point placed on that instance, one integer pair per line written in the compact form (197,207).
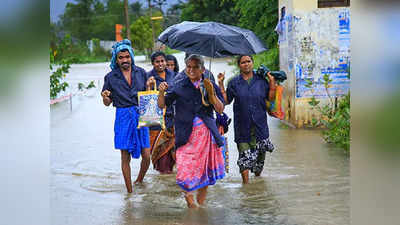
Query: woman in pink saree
(199,159)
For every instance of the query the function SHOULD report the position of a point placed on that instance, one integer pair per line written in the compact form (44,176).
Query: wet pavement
(304,182)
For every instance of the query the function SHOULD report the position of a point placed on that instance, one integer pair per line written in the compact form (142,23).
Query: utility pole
(128,30)
(152,26)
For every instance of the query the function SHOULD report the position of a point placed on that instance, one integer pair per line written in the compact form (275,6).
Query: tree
(210,10)
(136,11)
(87,19)
(141,33)
(261,17)
(160,3)
(127,18)
(100,24)
(173,15)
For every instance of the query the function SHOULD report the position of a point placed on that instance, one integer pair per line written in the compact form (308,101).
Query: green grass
(169,51)
(92,59)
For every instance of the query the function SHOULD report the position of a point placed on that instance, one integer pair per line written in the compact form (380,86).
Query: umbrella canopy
(211,39)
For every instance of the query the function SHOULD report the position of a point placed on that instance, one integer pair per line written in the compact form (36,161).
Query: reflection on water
(305,181)
(253,204)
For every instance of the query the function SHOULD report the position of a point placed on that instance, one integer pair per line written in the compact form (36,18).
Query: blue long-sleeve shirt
(123,95)
(249,108)
(188,106)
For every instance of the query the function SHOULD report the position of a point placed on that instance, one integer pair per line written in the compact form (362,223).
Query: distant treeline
(95,19)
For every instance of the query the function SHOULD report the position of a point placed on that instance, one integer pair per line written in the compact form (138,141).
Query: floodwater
(304,182)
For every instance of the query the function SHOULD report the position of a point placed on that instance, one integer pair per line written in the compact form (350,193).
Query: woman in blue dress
(249,92)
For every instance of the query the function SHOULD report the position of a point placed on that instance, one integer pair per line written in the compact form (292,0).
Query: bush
(335,117)
(269,58)
(338,125)
(56,78)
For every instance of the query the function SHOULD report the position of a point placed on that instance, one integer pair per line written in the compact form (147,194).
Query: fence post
(70,102)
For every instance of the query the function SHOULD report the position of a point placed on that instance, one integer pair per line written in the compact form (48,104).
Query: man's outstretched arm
(106,97)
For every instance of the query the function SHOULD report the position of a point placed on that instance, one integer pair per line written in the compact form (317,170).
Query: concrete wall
(313,42)
(107,45)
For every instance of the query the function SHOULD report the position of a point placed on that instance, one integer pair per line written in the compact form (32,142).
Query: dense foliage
(95,19)
(87,19)
(259,16)
(142,33)
(209,10)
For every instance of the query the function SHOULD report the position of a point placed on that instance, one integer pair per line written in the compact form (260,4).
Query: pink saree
(199,162)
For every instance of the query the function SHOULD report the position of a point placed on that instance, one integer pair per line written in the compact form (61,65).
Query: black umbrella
(211,39)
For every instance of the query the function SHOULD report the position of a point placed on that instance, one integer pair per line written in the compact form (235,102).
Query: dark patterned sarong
(252,154)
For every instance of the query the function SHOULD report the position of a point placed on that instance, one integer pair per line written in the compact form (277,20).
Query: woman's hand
(271,80)
(221,130)
(149,82)
(163,87)
(161,99)
(221,78)
(272,87)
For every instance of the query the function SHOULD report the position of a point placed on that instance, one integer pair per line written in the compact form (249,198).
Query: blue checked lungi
(127,135)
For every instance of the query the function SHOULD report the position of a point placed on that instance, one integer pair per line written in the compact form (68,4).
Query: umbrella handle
(209,67)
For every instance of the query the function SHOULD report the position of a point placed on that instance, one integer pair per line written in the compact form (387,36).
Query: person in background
(162,141)
(120,88)
(172,64)
(250,115)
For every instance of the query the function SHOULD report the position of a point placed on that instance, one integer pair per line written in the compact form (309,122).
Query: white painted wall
(313,42)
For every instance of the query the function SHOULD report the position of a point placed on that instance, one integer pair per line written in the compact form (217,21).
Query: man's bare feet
(190,201)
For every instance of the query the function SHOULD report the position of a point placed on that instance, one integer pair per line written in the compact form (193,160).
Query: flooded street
(304,182)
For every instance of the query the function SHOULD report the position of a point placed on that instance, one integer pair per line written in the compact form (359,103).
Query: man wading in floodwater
(120,87)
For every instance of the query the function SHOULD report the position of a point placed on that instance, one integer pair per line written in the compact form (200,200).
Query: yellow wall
(305,5)
(299,5)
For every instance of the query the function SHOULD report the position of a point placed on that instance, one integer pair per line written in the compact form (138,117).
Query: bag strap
(155,86)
